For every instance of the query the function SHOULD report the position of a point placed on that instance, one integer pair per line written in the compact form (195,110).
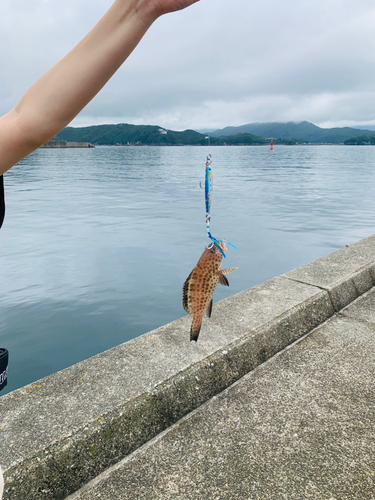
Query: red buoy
(271,148)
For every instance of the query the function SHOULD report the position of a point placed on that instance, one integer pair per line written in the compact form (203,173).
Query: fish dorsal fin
(186,294)
(223,280)
(228,271)
(209,308)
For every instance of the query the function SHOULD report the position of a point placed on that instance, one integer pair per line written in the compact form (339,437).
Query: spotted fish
(199,288)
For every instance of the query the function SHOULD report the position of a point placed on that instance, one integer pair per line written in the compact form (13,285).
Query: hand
(149,10)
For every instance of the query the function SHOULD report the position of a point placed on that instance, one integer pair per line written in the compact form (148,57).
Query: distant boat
(271,148)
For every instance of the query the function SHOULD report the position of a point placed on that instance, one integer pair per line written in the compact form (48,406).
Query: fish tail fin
(195,329)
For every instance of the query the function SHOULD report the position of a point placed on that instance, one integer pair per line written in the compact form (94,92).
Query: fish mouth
(217,245)
(223,246)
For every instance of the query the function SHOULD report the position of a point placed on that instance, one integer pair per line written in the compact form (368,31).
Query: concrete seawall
(62,431)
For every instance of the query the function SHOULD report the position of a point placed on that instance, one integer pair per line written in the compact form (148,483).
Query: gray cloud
(218,63)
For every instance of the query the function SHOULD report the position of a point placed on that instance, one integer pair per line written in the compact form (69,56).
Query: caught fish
(200,286)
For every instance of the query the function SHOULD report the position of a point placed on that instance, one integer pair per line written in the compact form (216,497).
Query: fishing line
(208,185)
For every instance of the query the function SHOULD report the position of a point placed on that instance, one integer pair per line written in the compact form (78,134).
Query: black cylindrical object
(4,358)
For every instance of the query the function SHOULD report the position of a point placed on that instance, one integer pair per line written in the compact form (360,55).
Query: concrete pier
(300,426)
(149,418)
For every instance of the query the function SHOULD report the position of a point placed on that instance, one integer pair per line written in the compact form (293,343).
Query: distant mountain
(369,127)
(126,134)
(204,130)
(304,131)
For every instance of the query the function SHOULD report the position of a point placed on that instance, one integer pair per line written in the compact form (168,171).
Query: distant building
(162,131)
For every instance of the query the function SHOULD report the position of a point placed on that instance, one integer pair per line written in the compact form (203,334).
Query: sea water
(97,243)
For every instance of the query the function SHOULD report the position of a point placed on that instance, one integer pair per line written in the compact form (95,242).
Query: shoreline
(66,144)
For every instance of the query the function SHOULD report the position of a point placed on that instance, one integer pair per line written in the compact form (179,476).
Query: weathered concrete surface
(345,274)
(62,431)
(362,310)
(300,426)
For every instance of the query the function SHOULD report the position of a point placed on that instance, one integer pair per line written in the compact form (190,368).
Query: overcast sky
(218,63)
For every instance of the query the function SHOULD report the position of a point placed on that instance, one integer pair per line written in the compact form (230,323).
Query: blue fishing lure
(208,185)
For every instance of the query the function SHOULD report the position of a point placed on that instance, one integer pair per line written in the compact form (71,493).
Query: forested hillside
(126,134)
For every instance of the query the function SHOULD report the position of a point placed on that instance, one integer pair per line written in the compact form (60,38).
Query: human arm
(61,93)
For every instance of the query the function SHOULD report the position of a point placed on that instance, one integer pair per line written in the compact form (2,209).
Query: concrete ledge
(300,427)
(64,430)
(56,434)
(345,274)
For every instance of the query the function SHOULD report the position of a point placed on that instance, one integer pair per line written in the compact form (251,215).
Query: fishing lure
(208,185)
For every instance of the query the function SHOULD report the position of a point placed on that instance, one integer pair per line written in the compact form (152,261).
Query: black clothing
(4,355)
(2,201)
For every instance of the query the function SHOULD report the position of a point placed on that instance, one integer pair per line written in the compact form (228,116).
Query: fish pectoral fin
(209,308)
(229,270)
(223,280)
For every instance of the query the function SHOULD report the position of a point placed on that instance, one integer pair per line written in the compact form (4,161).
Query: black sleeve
(2,200)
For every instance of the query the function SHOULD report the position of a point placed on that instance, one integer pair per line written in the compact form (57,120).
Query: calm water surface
(97,243)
